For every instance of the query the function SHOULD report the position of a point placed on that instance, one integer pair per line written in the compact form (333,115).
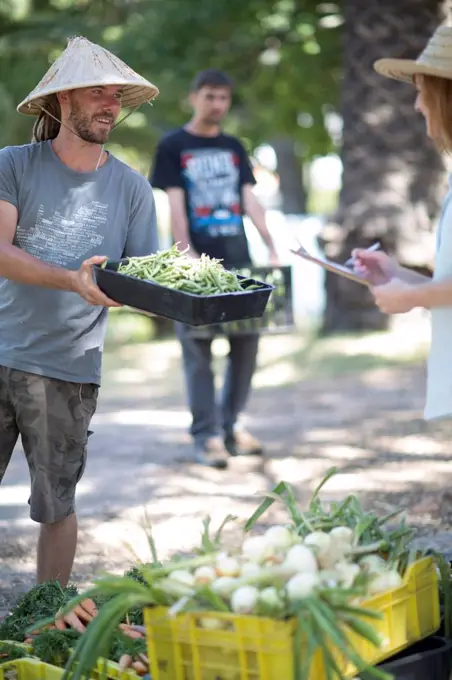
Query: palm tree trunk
(393,178)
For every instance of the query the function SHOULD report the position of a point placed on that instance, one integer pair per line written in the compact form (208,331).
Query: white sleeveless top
(439,381)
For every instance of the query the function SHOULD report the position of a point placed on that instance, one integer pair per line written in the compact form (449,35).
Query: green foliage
(283,55)
(10,652)
(121,644)
(41,602)
(54,646)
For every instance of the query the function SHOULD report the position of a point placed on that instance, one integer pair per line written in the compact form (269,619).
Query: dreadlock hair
(46,127)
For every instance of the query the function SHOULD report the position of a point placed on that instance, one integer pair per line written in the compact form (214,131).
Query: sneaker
(242,443)
(212,453)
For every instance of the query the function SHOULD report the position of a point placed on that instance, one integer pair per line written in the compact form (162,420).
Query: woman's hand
(375,266)
(394,297)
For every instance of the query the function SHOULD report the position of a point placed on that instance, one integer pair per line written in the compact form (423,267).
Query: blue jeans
(209,419)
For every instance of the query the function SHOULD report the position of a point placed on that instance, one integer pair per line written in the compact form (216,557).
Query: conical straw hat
(84,64)
(435,60)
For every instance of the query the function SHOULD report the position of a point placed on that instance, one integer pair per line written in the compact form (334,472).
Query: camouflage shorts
(52,417)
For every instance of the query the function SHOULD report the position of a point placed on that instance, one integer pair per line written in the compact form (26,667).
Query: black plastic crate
(278,315)
(429,659)
(194,310)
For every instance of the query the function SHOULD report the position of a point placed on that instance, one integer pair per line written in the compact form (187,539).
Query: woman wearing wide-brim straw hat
(65,204)
(396,289)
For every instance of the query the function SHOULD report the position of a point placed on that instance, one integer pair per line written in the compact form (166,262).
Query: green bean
(174,269)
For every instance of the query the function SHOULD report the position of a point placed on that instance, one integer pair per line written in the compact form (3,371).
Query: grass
(283,360)
(331,357)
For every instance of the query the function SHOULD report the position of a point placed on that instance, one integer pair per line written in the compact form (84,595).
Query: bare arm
(179,219)
(256,213)
(431,294)
(17,265)
(414,278)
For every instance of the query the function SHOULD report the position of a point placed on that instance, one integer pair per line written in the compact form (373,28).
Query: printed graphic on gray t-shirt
(64,218)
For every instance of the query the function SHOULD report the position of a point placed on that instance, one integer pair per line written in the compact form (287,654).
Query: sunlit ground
(355,403)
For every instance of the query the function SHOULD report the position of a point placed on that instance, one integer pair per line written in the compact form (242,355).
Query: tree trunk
(290,172)
(393,178)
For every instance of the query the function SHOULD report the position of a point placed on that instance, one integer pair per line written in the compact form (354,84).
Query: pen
(375,246)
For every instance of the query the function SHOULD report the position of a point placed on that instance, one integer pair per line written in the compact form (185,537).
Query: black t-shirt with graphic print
(212,172)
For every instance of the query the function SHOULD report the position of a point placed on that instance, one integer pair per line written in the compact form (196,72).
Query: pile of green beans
(174,269)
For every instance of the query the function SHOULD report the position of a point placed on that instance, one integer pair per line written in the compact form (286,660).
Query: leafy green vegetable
(9,652)
(41,602)
(55,646)
(122,644)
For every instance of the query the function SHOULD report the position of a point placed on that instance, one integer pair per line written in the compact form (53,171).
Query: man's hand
(273,258)
(85,285)
(395,297)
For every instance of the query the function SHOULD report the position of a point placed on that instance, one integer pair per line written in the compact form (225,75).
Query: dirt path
(355,404)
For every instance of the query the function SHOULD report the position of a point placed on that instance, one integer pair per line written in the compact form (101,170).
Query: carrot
(37,631)
(60,624)
(73,621)
(139,667)
(129,632)
(89,606)
(82,614)
(125,661)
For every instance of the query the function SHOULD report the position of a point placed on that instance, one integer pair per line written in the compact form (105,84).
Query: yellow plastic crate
(257,648)
(34,669)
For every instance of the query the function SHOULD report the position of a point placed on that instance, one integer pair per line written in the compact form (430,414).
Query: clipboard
(334,267)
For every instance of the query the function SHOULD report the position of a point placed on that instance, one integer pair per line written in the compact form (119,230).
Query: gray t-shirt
(66,217)
(439,382)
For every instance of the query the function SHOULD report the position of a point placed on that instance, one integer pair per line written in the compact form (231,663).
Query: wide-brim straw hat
(85,64)
(435,60)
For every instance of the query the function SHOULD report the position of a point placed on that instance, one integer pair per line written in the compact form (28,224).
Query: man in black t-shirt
(209,182)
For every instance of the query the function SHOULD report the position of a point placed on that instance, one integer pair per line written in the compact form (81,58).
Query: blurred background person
(209,181)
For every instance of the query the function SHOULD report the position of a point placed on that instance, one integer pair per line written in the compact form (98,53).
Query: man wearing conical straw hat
(397,290)
(65,204)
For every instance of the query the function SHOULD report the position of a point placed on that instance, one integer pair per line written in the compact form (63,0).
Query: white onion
(212,624)
(373,564)
(387,580)
(175,588)
(256,549)
(270,600)
(224,585)
(250,569)
(244,599)
(227,566)
(326,550)
(204,575)
(342,536)
(279,537)
(300,558)
(182,576)
(347,573)
(301,586)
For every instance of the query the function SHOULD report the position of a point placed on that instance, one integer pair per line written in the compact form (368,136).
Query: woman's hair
(437,96)
(48,126)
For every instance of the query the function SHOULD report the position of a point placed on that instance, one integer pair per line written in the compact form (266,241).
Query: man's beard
(82,124)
